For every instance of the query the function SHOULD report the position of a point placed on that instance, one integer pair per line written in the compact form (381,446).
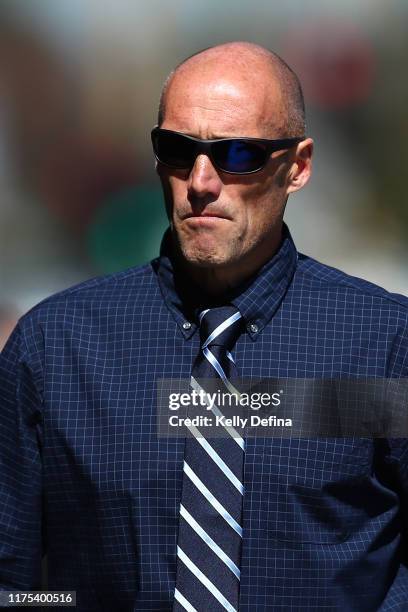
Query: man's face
(219,219)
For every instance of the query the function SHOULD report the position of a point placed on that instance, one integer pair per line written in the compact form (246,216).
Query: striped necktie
(210,527)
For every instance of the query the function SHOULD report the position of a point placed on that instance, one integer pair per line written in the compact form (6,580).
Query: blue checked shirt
(84,477)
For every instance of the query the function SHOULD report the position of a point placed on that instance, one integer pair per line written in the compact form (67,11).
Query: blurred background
(79,87)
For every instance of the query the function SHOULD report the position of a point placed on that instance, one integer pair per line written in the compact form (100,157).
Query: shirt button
(252,328)
(186,325)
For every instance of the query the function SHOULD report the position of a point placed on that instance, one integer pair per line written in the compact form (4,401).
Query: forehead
(208,103)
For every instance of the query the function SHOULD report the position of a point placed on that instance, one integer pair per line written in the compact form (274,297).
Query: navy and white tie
(210,528)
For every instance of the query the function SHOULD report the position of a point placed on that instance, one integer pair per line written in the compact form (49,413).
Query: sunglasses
(231,155)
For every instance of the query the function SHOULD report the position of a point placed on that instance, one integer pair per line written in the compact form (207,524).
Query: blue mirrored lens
(239,155)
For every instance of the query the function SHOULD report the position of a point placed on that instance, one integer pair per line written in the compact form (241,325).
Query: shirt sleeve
(20,469)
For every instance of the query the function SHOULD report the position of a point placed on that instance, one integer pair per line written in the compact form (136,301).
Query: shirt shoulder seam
(372,290)
(91,283)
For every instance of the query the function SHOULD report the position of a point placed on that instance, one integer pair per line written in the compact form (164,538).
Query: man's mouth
(207,215)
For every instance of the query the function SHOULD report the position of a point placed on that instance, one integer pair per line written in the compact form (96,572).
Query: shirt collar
(257,300)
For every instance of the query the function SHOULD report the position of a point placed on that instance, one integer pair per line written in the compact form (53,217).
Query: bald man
(134,520)
(226,226)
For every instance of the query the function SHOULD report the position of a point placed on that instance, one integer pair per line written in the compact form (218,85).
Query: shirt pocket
(309,491)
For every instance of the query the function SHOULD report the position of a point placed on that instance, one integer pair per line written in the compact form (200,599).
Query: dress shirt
(84,476)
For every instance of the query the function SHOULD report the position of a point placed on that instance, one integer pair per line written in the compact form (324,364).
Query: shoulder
(105,290)
(358,311)
(93,301)
(328,280)
(85,314)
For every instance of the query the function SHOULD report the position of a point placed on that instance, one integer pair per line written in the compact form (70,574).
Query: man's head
(225,226)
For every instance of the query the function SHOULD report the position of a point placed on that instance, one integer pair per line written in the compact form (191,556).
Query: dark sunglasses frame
(206,147)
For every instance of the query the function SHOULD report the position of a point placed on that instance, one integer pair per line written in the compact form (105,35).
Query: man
(133,521)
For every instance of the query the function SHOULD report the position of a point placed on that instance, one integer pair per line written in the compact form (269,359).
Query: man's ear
(301,169)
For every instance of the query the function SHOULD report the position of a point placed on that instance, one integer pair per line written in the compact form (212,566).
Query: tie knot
(220,326)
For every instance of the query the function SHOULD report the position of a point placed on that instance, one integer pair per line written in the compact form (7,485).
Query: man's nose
(204,181)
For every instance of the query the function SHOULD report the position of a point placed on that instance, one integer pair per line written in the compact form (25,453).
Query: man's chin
(204,253)
(204,260)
